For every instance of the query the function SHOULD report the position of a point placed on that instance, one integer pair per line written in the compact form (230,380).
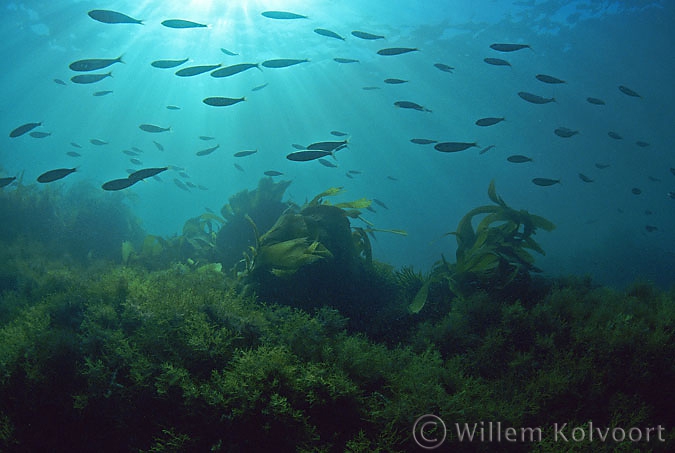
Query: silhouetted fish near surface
(565,132)
(391,51)
(518,159)
(642,144)
(153,129)
(614,135)
(534,99)
(75,145)
(627,91)
(584,178)
(486,149)
(4,182)
(102,93)
(298,146)
(392,178)
(112,17)
(283,15)
(207,151)
(548,79)
(601,166)
(453,147)
(40,134)
(488,121)
(273,173)
(196,70)
(307,155)
(370,88)
(345,60)
(84,79)
(180,23)
(282,62)
(380,203)
(245,153)
(233,69)
(130,153)
(496,62)
(327,163)
(167,64)
(366,35)
(180,184)
(172,107)
(595,101)
(94,64)
(146,173)
(422,141)
(395,81)
(545,181)
(328,146)
(411,105)
(338,133)
(328,33)
(636,191)
(239,167)
(73,154)
(222,101)
(444,67)
(259,87)
(135,161)
(227,52)
(505,47)
(60,82)
(119,184)
(206,137)
(97,142)
(55,175)
(24,128)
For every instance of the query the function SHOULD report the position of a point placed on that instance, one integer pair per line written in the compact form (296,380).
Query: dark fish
(423,141)
(648,212)
(614,135)
(135,161)
(273,173)
(158,145)
(534,99)
(548,79)
(444,67)
(297,146)
(327,163)
(55,175)
(97,142)
(349,176)
(636,191)
(196,70)
(584,178)
(40,134)
(411,105)
(130,153)
(233,69)
(391,178)
(328,146)
(672,170)
(453,147)
(642,144)
(380,203)
(180,23)
(4,182)
(153,129)
(565,132)
(595,101)
(499,47)
(282,15)
(89,78)
(172,107)
(395,81)
(307,155)
(75,145)
(167,64)
(354,172)
(222,101)
(282,63)
(60,82)
(390,51)
(94,64)
(496,62)
(184,175)
(112,17)
(338,133)
(345,60)
(370,88)
(227,52)
(259,87)
(180,184)
(328,33)
(207,151)
(190,185)
(146,173)
(239,167)
(24,128)
(601,166)
(119,184)
(206,137)
(365,35)
(545,181)
(102,93)
(650,228)
(488,121)
(653,178)
(486,149)
(519,159)
(73,154)
(628,91)
(245,153)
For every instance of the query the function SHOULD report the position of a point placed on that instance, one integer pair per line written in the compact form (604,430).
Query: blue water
(594,46)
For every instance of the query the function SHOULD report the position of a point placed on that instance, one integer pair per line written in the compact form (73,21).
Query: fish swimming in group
(228,52)
(545,181)
(172,107)
(642,144)
(283,15)
(338,133)
(196,70)
(534,99)
(130,153)
(118,184)
(411,105)
(146,173)
(453,147)
(380,203)
(366,35)
(422,141)
(93,64)
(327,163)
(60,82)
(135,161)
(595,101)
(84,79)
(4,182)
(370,88)
(206,137)
(627,91)
(282,62)
(40,134)
(153,129)
(167,64)
(636,191)
(390,51)
(239,167)
(75,145)
(55,175)
(548,79)
(207,151)
(444,67)
(651,228)
(73,154)
(502,47)
(102,93)
(518,159)
(158,145)
(496,62)
(259,87)
(614,135)
(307,155)
(112,17)
(227,71)
(584,178)
(180,184)
(245,153)
(565,132)
(486,149)
(180,23)
(395,81)
(328,33)
(345,60)
(273,173)
(490,121)
(217,101)
(601,166)
(97,142)
(23,129)
(328,146)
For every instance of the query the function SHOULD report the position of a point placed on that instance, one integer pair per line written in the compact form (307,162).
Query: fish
(671,195)
(130,153)
(444,67)
(518,159)
(534,99)
(584,178)
(102,93)
(565,132)
(642,144)
(390,51)
(259,87)
(146,173)
(40,134)
(411,105)
(23,129)
(282,63)
(180,23)
(489,121)
(207,151)
(595,101)
(84,79)
(118,184)
(158,145)
(486,149)
(501,47)
(328,33)
(614,135)
(228,52)
(239,167)
(380,203)
(392,178)
(366,35)
(273,173)
(55,175)
(297,146)
(653,178)
(345,60)
(97,142)
(190,185)
(636,191)
(73,154)
(307,155)
(601,166)
(180,184)
(94,64)
(672,170)
(75,145)
(354,172)
(627,91)
(183,174)
(196,70)
(283,15)
(338,133)
(328,146)
(651,228)
(135,161)
(60,82)
(172,107)
(349,176)
(222,101)
(206,137)
(245,153)
(112,17)
(548,79)
(370,88)
(496,62)
(395,81)
(234,69)
(545,181)
(153,129)
(327,163)
(453,147)
(422,141)
(4,182)
(167,64)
